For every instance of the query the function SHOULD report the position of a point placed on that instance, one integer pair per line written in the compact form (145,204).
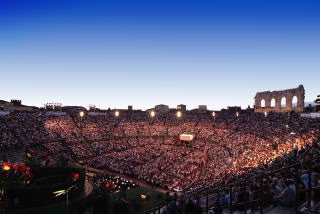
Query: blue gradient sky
(142,53)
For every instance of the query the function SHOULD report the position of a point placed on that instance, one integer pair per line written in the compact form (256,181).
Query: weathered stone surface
(267,97)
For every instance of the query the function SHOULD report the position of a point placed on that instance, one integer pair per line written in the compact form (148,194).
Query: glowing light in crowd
(81,114)
(213,114)
(153,114)
(266,114)
(237,114)
(179,114)
(117,114)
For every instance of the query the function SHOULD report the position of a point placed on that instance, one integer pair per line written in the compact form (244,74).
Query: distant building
(16,102)
(93,108)
(16,106)
(203,108)
(53,106)
(130,108)
(73,109)
(317,101)
(2,105)
(161,108)
(234,108)
(182,107)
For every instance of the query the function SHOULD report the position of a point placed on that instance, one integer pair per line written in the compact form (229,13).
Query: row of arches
(283,102)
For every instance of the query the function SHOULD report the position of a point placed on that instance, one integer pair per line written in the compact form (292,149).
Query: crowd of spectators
(228,147)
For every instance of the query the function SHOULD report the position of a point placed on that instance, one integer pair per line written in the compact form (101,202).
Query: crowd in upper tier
(225,147)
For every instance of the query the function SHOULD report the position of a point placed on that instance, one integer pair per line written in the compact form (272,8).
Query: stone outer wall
(289,94)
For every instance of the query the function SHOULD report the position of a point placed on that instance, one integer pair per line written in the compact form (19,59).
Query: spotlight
(153,114)
(81,114)
(179,114)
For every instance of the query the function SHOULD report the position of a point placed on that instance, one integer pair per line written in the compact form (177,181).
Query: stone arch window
(280,101)
(273,103)
(283,102)
(295,101)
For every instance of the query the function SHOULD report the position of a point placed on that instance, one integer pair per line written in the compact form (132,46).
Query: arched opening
(263,103)
(273,103)
(295,101)
(283,102)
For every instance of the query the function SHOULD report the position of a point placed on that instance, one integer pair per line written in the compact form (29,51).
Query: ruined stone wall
(266,98)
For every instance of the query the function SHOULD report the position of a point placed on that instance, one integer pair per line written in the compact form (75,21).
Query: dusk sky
(142,53)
